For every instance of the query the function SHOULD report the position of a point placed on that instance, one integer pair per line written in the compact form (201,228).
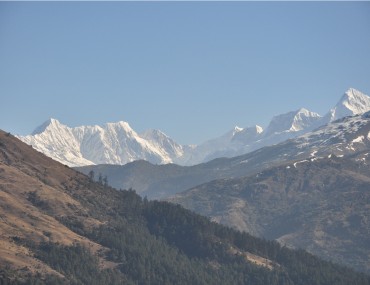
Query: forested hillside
(60,227)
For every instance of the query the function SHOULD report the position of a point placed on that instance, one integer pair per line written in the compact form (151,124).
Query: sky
(193,70)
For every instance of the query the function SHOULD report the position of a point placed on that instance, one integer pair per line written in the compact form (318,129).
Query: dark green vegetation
(120,238)
(75,262)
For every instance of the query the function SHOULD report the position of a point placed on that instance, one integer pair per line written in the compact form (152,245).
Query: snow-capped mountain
(353,102)
(169,148)
(58,142)
(243,140)
(226,145)
(112,143)
(118,143)
(247,134)
(280,128)
(291,122)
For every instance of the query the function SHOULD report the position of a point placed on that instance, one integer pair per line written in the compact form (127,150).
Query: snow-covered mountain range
(112,143)
(118,143)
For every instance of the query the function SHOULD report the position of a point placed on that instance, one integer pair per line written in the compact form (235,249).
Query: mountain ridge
(118,143)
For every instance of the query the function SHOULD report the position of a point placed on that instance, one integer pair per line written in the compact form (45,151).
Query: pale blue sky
(193,70)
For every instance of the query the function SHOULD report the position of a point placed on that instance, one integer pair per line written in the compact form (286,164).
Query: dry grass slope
(33,196)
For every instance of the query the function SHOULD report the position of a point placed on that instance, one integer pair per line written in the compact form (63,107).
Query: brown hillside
(36,192)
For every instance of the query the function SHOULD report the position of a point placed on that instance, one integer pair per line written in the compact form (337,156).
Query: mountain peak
(153,133)
(353,102)
(246,135)
(352,92)
(306,112)
(163,142)
(122,125)
(292,121)
(48,123)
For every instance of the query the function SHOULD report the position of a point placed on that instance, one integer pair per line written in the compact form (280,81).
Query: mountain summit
(292,122)
(51,123)
(118,143)
(353,102)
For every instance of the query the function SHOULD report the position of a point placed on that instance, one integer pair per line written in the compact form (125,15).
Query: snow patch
(315,158)
(298,162)
(359,139)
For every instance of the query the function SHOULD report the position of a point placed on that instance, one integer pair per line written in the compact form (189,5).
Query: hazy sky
(193,70)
